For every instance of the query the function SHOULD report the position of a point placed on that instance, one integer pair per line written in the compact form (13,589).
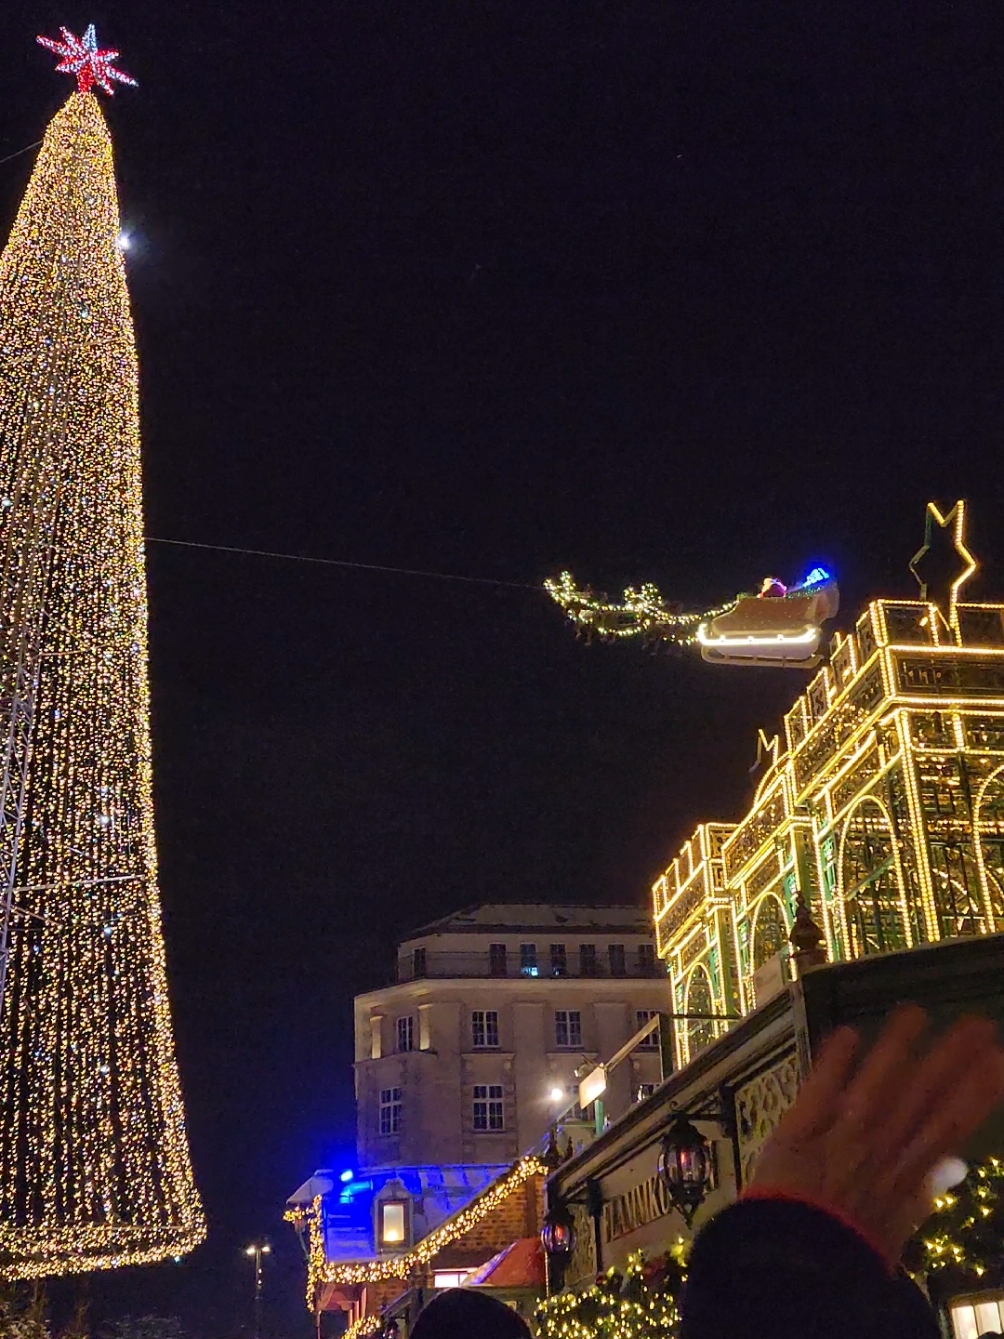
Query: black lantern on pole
(557,1236)
(685,1167)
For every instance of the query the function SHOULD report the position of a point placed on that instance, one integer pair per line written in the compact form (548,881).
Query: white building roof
(512,917)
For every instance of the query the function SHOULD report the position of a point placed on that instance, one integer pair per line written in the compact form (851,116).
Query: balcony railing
(423,963)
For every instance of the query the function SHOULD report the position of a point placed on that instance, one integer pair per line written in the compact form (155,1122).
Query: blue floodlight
(817,577)
(346,1176)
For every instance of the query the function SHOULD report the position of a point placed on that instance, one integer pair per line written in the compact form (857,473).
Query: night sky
(679,292)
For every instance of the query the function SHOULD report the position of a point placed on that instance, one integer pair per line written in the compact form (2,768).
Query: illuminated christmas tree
(94,1163)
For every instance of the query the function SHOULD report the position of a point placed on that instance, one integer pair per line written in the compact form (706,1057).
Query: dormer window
(392,1223)
(392,1217)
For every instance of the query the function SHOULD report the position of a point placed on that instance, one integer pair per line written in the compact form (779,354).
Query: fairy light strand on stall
(363,1327)
(966,1232)
(639,1303)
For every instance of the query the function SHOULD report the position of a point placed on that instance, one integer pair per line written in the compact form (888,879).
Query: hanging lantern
(557,1236)
(685,1167)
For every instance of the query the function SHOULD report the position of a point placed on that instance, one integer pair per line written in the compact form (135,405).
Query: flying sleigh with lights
(778,625)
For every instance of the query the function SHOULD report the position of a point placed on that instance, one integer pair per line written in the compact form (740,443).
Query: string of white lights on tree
(94,1162)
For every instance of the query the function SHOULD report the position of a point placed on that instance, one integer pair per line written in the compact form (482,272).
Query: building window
(646,960)
(567,1027)
(406,1034)
(651,1042)
(528,960)
(449,1278)
(417,963)
(644,1090)
(392,1224)
(559,960)
(496,960)
(390,1110)
(488,1107)
(616,954)
(587,960)
(484,1028)
(978,1316)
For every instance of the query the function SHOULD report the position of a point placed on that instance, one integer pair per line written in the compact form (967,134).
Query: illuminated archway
(700,1031)
(990,841)
(770,930)
(869,882)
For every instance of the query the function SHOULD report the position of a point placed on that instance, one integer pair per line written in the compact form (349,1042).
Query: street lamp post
(257,1249)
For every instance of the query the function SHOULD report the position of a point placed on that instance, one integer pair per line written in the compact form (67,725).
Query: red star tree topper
(82,58)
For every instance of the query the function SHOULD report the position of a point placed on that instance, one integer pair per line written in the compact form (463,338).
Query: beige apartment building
(475,1049)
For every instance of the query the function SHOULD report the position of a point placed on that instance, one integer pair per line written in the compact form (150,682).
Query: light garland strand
(94,1162)
(641,1303)
(642,613)
(364,1326)
(967,1230)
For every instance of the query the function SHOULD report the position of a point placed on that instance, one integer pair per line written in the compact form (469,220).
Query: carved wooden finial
(806,939)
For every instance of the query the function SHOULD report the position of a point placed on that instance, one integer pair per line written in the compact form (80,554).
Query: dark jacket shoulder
(779,1269)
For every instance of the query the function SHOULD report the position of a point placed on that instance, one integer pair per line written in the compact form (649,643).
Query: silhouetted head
(466,1313)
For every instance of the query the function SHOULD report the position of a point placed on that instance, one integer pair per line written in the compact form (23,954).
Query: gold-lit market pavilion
(882,806)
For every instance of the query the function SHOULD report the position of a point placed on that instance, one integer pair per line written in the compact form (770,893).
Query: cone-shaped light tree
(94,1162)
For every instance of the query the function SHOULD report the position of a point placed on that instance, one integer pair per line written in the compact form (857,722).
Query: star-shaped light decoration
(933,516)
(82,57)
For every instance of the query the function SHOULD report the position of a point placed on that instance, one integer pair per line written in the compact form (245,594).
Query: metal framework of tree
(94,1161)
